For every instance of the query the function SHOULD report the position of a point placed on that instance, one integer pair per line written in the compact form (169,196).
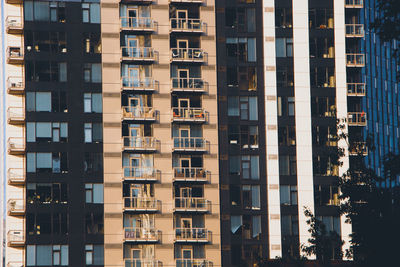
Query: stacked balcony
(193,263)
(191,174)
(139,85)
(141,174)
(188,85)
(355,30)
(192,204)
(142,262)
(192,235)
(187,25)
(356,89)
(15,55)
(16,145)
(16,176)
(188,55)
(139,113)
(187,1)
(189,115)
(141,204)
(16,238)
(140,24)
(357,119)
(14,25)
(141,144)
(358,149)
(14,1)
(16,207)
(15,85)
(15,264)
(355,60)
(354,3)
(16,115)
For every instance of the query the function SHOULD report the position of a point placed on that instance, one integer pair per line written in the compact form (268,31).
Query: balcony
(16,145)
(196,235)
(139,114)
(187,1)
(355,60)
(354,3)
(355,89)
(192,204)
(14,24)
(355,30)
(142,24)
(191,174)
(15,85)
(141,143)
(141,235)
(190,144)
(358,149)
(16,238)
(357,119)
(142,204)
(189,115)
(193,263)
(188,25)
(141,174)
(14,1)
(15,264)
(146,54)
(133,84)
(16,176)
(188,55)
(142,263)
(16,115)
(194,85)
(15,55)
(16,207)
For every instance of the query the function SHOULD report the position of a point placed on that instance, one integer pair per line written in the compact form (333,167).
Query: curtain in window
(251,49)
(236,222)
(30,132)
(255,197)
(28,10)
(256,225)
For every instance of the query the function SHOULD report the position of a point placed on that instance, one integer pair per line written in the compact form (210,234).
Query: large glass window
(288,194)
(92,103)
(92,72)
(94,193)
(44,11)
(55,162)
(91,12)
(47,255)
(94,254)
(46,131)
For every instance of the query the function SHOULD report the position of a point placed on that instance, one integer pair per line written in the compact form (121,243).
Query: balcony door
(133,47)
(135,130)
(140,190)
(182,16)
(134,77)
(133,15)
(185,192)
(186,223)
(182,46)
(187,254)
(183,105)
(183,76)
(136,257)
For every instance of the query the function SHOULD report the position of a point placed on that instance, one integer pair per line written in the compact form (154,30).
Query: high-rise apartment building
(185,132)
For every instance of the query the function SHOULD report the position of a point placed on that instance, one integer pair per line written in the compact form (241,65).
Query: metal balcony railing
(16,115)
(188,55)
(16,206)
(358,149)
(354,30)
(16,145)
(141,143)
(354,3)
(15,54)
(15,85)
(135,84)
(138,24)
(190,144)
(357,118)
(139,113)
(16,176)
(187,1)
(16,238)
(355,60)
(356,89)
(193,263)
(192,204)
(192,235)
(141,234)
(14,24)
(187,25)
(188,85)
(191,174)
(141,204)
(142,263)
(138,53)
(141,174)
(189,114)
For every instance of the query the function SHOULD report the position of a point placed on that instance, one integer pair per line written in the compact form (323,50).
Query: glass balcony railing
(192,235)
(138,23)
(138,53)
(142,143)
(141,234)
(357,118)
(190,144)
(356,89)
(141,203)
(135,84)
(189,114)
(141,174)
(188,54)
(191,174)
(194,204)
(139,113)
(188,85)
(354,30)
(187,25)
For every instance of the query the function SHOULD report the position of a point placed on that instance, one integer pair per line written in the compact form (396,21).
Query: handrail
(355,89)
(355,30)
(357,118)
(189,113)
(147,83)
(192,54)
(198,234)
(197,203)
(140,142)
(138,112)
(189,143)
(141,203)
(144,53)
(141,233)
(140,173)
(186,24)
(188,84)
(190,174)
(138,23)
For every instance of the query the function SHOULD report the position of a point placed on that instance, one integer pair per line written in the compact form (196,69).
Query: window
(249,136)
(325,165)
(251,197)
(94,223)
(44,71)
(283,18)
(94,254)
(92,43)
(94,193)
(92,72)
(326,195)
(46,223)
(92,103)
(38,101)
(93,132)
(234,165)
(287,165)
(288,194)
(55,162)
(44,41)
(323,106)
(287,136)
(44,11)
(46,131)
(284,47)
(93,162)
(248,108)
(91,12)
(250,167)
(47,193)
(47,255)
(244,49)
(332,223)
(286,106)
(290,225)
(284,76)
(233,106)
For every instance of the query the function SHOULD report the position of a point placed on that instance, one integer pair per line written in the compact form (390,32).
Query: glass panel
(43,255)
(97,104)
(30,162)
(254,168)
(64,255)
(30,255)
(94,13)
(43,160)
(256,226)
(253,108)
(43,129)
(28,10)
(251,49)
(285,194)
(41,11)
(96,73)
(98,255)
(43,101)
(97,193)
(63,72)
(30,132)
(255,196)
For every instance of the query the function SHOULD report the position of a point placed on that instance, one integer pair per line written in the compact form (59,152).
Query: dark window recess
(55,101)
(286,106)
(325,165)
(324,135)
(92,72)
(287,165)
(243,19)
(284,76)
(287,136)
(47,193)
(92,43)
(323,106)
(246,226)
(47,224)
(243,49)
(50,162)
(283,18)
(322,77)
(93,163)
(325,195)
(245,255)
(41,41)
(243,77)
(321,18)
(244,135)
(46,132)
(44,71)
(44,11)
(94,223)
(94,254)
